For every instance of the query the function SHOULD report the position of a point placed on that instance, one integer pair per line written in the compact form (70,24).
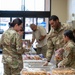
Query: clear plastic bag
(33,71)
(59,54)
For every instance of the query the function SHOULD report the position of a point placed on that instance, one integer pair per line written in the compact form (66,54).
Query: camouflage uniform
(68,55)
(55,40)
(12,52)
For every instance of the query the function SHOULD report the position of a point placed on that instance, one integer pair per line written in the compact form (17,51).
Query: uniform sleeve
(67,59)
(19,47)
(0,44)
(69,26)
(50,49)
(1,41)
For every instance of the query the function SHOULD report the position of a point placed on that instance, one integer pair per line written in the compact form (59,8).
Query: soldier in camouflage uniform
(69,50)
(11,43)
(55,37)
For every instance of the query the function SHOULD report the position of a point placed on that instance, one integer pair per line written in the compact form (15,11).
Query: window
(31,11)
(25,5)
(34,5)
(10,5)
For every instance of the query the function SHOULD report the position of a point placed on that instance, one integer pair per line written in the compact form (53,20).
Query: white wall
(59,8)
(71,9)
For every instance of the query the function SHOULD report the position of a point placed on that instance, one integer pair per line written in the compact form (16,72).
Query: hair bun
(10,24)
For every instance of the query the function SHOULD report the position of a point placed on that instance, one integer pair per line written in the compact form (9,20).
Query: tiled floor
(1,65)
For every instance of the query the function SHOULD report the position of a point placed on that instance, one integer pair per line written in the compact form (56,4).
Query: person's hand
(46,63)
(60,65)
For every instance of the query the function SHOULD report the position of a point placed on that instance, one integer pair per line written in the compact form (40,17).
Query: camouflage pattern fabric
(12,52)
(55,40)
(68,55)
(42,50)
